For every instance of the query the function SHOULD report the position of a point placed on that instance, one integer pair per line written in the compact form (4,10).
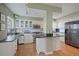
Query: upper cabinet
(10,23)
(3,27)
(23,23)
(17,23)
(2,22)
(26,24)
(2,17)
(30,24)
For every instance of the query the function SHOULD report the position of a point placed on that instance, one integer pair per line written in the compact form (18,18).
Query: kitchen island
(8,46)
(48,44)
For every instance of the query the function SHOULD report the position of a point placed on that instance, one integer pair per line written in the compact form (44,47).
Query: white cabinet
(62,39)
(28,38)
(17,23)
(21,39)
(22,23)
(56,43)
(10,23)
(8,48)
(40,45)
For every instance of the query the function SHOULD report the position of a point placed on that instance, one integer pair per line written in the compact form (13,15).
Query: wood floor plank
(30,50)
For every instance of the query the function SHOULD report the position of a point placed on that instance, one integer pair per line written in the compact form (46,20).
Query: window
(9,22)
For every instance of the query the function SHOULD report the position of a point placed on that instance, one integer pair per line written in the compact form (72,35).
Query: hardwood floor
(26,50)
(67,51)
(30,50)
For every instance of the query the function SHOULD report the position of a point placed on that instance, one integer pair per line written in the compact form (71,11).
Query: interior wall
(55,25)
(4,10)
(71,17)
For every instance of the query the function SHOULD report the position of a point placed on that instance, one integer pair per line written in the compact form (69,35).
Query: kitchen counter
(50,37)
(46,44)
(55,34)
(58,34)
(9,38)
(8,47)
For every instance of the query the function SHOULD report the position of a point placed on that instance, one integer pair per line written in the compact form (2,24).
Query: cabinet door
(2,22)
(17,23)
(26,24)
(2,17)
(21,39)
(22,24)
(30,24)
(3,27)
(10,23)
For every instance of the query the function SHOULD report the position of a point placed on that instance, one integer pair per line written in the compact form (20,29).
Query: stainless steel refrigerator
(72,33)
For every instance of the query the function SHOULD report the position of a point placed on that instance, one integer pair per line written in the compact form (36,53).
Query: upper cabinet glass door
(2,17)
(30,24)
(2,22)
(22,24)
(10,23)
(17,23)
(26,24)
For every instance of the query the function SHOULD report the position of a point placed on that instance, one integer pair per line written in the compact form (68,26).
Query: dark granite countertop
(52,36)
(9,38)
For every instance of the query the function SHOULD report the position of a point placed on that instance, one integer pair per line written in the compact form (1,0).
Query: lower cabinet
(40,45)
(48,44)
(27,38)
(8,48)
(21,39)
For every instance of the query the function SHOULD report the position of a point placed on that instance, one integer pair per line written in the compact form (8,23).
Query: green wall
(72,15)
(4,10)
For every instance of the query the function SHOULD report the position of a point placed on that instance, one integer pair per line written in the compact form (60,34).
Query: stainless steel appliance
(72,33)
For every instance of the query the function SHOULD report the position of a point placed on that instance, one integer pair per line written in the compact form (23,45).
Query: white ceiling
(36,12)
(21,9)
(55,4)
(68,8)
(17,8)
